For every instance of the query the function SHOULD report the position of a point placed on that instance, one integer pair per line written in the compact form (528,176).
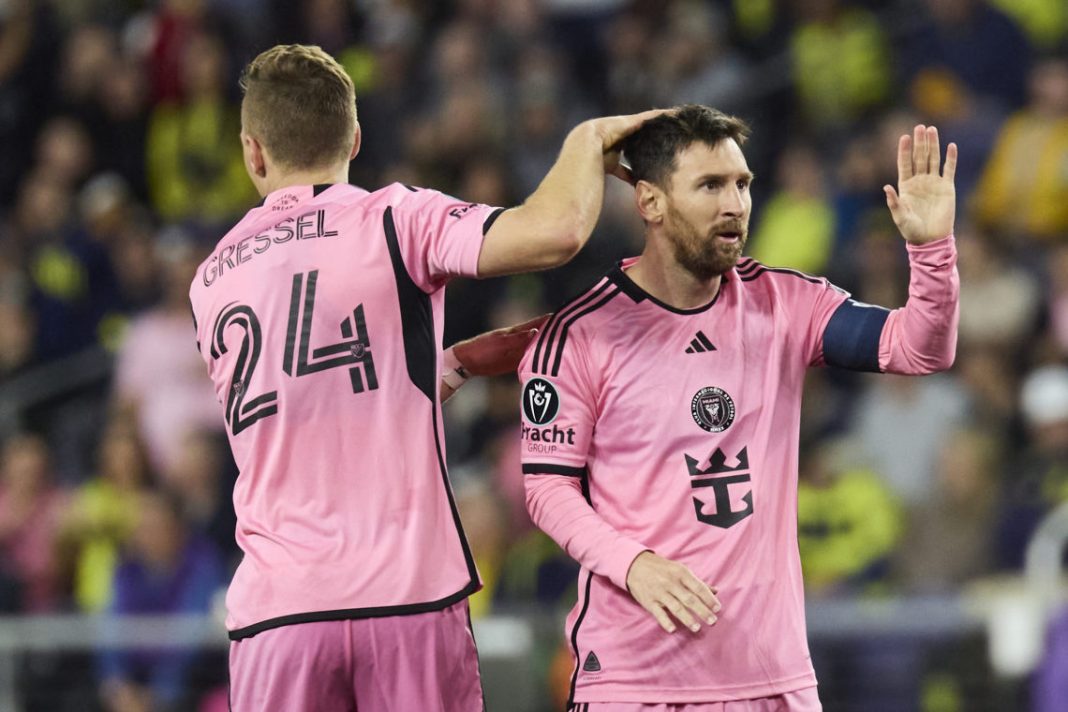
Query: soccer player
(319,316)
(661,413)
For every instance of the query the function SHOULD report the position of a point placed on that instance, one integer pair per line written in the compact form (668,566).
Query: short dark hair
(300,104)
(651,151)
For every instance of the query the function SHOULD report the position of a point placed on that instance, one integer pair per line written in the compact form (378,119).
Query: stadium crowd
(121,167)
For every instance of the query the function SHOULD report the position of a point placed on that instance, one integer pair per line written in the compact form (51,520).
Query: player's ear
(356,142)
(255,162)
(650,201)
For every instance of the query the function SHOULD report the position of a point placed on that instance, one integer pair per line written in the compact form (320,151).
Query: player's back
(319,317)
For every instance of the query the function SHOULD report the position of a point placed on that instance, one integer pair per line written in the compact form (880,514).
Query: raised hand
(667,589)
(925,202)
(612,130)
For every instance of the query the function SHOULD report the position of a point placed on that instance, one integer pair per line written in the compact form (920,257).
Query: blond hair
(301,105)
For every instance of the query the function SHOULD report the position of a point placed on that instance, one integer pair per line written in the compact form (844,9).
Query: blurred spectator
(1036,478)
(27,72)
(948,538)
(119,124)
(999,301)
(165,571)
(1049,688)
(631,82)
(103,514)
(840,59)
(16,338)
(1057,298)
(901,424)
(848,523)
(1023,192)
(1045,21)
(159,378)
(195,165)
(971,120)
(30,513)
(796,225)
(202,479)
(975,42)
(695,62)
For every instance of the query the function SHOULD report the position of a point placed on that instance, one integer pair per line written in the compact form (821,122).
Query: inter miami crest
(541,403)
(712,409)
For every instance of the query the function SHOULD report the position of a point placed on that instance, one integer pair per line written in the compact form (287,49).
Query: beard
(703,255)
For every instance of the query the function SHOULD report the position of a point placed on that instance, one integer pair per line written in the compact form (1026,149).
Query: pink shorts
(424,661)
(806,700)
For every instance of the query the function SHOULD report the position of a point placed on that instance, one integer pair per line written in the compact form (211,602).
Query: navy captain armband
(851,339)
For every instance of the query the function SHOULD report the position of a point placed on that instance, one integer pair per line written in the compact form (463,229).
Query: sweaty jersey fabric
(650,427)
(320,317)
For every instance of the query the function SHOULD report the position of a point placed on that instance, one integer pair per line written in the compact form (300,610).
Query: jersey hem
(353,613)
(698,695)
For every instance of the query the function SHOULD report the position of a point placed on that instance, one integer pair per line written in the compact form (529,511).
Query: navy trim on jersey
(574,638)
(632,290)
(354,613)
(534,468)
(752,272)
(320,187)
(491,219)
(551,328)
(851,339)
(417,318)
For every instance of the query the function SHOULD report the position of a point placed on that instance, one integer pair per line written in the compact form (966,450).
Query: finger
(622,126)
(934,152)
(951,162)
(661,617)
(697,606)
(679,611)
(919,149)
(529,324)
(904,158)
(703,592)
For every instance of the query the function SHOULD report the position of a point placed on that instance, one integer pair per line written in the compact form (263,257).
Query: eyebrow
(723,177)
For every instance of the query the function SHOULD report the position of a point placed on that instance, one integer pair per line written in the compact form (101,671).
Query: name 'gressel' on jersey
(308,226)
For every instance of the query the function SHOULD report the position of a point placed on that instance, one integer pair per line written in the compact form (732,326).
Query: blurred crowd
(121,167)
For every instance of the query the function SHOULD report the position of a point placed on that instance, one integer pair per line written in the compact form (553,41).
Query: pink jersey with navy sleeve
(649,427)
(320,317)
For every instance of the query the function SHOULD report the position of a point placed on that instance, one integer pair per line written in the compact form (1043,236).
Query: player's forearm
(557,507)
(557,219)
(921,337)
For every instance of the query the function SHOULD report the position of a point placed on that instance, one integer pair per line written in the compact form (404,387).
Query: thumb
(894,203)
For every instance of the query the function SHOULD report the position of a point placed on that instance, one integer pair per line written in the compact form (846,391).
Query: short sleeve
(440,237)
(558,409)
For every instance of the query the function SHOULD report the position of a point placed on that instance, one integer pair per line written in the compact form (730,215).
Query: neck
(276,179)
(659,274)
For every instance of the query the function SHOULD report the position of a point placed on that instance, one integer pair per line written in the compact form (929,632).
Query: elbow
(565,243)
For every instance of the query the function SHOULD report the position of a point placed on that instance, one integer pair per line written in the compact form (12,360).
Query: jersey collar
(632,290)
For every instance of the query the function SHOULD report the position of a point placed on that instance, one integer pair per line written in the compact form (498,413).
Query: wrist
(453,374)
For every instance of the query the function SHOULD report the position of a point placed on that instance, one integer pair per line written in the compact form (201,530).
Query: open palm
(925,202)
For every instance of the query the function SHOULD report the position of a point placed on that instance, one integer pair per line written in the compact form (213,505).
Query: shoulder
(749,270)
(574,327)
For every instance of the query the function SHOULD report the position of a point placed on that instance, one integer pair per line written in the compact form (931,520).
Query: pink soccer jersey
(650,427)
(319,316)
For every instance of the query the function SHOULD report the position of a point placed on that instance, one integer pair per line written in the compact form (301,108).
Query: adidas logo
(700,344)
(592,664)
